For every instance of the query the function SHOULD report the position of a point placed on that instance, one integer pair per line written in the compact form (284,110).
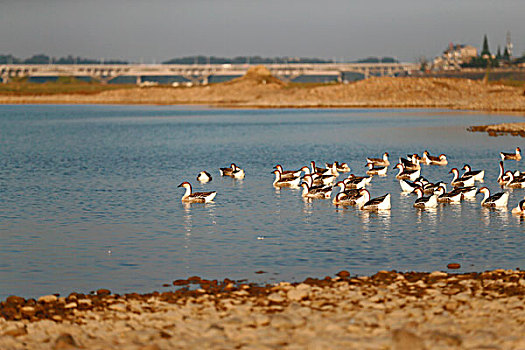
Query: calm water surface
(89,197)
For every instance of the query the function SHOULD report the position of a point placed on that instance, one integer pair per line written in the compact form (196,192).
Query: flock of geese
(320,182)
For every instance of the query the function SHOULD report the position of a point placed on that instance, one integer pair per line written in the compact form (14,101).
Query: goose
(288,182)
(430,188)
(511,156)
(343,198)
(460,181)
(514,182)
(319,178)
(520,209)
(322,171)
(338,168)
(408,186)
(348,191)
(197,197)
(432,160)
(405,174)
(379,203)
(288,173)
(353,181)
(315,193)
(373,170)
(497,200)
(448,197)
(379,161)
(425,202)
(478,175)
(234,171)
(204,177)
(412,157)
(312,184)
(468,192)
(411,164)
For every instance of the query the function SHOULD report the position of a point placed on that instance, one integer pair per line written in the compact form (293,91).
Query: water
(89,197)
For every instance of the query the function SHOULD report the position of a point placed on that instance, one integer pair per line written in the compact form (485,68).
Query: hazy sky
(156,30)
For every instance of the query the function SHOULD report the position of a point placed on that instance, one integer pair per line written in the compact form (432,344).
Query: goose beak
(179,185)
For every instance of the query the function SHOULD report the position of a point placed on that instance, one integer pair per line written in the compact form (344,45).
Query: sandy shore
(388,310)
(515,129)
(258,89)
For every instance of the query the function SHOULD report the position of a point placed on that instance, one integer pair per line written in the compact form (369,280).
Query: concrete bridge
(200,73)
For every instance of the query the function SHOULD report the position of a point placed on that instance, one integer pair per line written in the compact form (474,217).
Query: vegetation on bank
(63,85)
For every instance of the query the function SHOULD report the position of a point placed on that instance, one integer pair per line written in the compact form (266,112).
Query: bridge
(200,73)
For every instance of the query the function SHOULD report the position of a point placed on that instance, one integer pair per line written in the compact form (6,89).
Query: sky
(152,31)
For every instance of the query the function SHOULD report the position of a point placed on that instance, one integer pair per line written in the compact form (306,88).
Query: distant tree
(38,59)
(498,54)
(485,51)
(9,59)
(506,55)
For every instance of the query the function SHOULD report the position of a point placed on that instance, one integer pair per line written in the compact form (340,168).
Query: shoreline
(386,310)
(259,90)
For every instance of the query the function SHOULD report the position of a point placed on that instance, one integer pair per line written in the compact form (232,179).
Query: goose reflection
(494,215)
(427,215)
(382,216)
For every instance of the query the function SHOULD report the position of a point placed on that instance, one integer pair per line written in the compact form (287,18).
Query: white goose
(345,198)
(461,181)
(288,182)
(338,168)
(379,203)
(431,160)
(497,200)
(514,182)
(376,170)
(511,156)
(353,181)
(315,193)
(234,171)
(287,173)
(379,161)
(425,202)
(478,175)
(204,177)
(520,209)
(405,174)
(322,171)
(448,197)
(197,197)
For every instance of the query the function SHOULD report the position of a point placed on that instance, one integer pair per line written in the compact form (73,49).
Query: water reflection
(427,215)
(376,216)
(495,216)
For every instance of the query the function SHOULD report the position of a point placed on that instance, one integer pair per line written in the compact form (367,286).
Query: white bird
(425,202)
(376,170)
(379,203)
(448,197)
(234,171)
(478,175)
(287,173)
(497,200)
(353,181)
(315,193)
(431,160)
(404,174)
(461,181)
(204,177)
(288,182)
(511,156)
(379,161)
(197,197)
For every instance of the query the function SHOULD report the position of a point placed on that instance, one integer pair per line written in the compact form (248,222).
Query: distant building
(454,56)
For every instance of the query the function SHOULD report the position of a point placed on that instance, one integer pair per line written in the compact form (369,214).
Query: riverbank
(258,89)
(388,310)
(514,129)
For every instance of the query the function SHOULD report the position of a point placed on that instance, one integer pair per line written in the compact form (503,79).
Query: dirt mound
(258,75)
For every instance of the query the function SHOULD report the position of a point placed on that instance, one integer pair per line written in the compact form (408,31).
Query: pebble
(276,298)
(47,298)
(453,266)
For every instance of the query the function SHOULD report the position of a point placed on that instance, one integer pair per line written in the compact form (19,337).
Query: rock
(453,266)
(120,307)
(84,302)
(438,274)
(299,293)
(47,299)
(276,298)
(16,331)
(404,340)
(71,305)
(65,341)
(343,274)
(15,300)
(103,292)
(28,311)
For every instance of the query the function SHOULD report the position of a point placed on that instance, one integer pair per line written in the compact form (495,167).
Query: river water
(89,197)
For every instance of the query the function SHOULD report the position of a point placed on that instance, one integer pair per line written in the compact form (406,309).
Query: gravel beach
(388,310)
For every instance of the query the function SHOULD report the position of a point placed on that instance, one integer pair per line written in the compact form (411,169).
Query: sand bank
(388,310)
(515,129)
(258,89)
